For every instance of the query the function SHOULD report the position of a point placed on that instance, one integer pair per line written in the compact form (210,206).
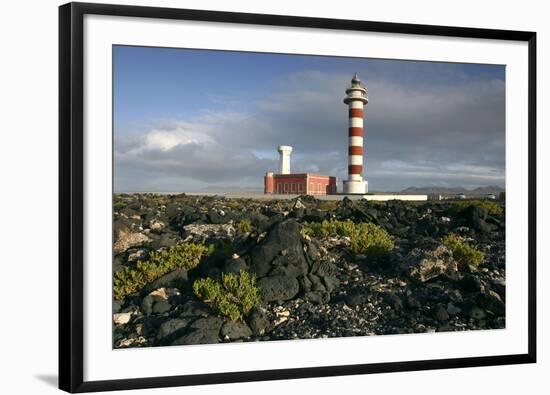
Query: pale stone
(122,318)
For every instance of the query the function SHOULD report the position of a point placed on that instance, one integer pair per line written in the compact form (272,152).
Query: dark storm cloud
(416,134)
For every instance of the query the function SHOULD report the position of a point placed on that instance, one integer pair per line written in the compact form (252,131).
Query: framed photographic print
(250,197)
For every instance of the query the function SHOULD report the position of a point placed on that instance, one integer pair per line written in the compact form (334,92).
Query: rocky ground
(310,287)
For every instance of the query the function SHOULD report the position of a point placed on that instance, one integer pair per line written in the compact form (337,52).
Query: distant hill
(229,188)
(495,189)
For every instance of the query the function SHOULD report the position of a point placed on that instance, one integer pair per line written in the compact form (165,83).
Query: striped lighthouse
(356,98)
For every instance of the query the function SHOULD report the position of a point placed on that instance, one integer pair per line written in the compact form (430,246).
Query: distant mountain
(495,189)
(489,189)
(228,188)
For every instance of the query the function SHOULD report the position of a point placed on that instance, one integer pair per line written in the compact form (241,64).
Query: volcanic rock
(278,288)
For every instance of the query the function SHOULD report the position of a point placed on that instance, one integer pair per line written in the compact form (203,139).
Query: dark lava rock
(394,301)
(491,301)
(214,217)
(161,307)
(258,321)
(235,330)
(278,288)
(154,304)
(164,240)
(318,297)
(175,279)
(235,266)
(202,331)
(290,263)
(316,283)
(117,306)
(475,217)
(282,252)
(471,283)
(441,313)
(171,329)
(355,299)
(473,311)
(413,302)
(195,308)
(330,283)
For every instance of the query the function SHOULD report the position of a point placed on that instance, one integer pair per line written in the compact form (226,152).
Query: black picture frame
(71,173)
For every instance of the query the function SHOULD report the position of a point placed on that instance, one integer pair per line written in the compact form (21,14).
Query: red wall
(296,184)
(269,184)
(290,184)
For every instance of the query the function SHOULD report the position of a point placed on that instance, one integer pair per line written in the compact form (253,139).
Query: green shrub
(118,205)
(244,226)
(223,247)
(493,208)
(463,252)
(180,256)
(233,297)
(366,238)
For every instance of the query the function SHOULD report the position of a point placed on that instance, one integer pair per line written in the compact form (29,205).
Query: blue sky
(191,119)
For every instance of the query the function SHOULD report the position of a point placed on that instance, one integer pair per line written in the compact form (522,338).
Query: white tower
(284,158)
(356,98)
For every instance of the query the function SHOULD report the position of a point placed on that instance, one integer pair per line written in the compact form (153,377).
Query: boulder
(194,308)
(316,297)
(471,283)
(171,329)
(257,321)
(492,302)
(122,318)
(281,252)
(202,331)
(278,288)
(235,330)
(424,265)
(394,301)
(441,314)
(475,217)
(201,232)
(176,278)
(150,302)
(127,239)
(235,265)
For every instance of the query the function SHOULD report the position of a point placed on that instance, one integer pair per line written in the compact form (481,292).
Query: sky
(189,120)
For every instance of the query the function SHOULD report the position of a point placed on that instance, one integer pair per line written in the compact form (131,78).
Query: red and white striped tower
(356,98)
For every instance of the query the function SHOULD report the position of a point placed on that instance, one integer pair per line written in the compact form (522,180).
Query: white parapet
(284,158)
(396,197)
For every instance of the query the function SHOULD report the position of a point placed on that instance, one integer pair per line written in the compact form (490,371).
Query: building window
(311,188)
(286,187)
(293,187)
(300,187)
(320,188)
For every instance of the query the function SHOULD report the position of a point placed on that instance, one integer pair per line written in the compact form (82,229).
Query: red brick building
(300,184)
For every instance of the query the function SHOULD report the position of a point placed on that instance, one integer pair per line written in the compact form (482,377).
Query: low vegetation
(463,252)
(244,226)
(222,247)
(234,296)
(493,208)
(366,238)
(180,256)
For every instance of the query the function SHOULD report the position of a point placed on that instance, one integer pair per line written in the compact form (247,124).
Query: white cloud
(414,135)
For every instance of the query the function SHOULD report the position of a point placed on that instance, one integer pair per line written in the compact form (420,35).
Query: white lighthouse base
(356,186)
